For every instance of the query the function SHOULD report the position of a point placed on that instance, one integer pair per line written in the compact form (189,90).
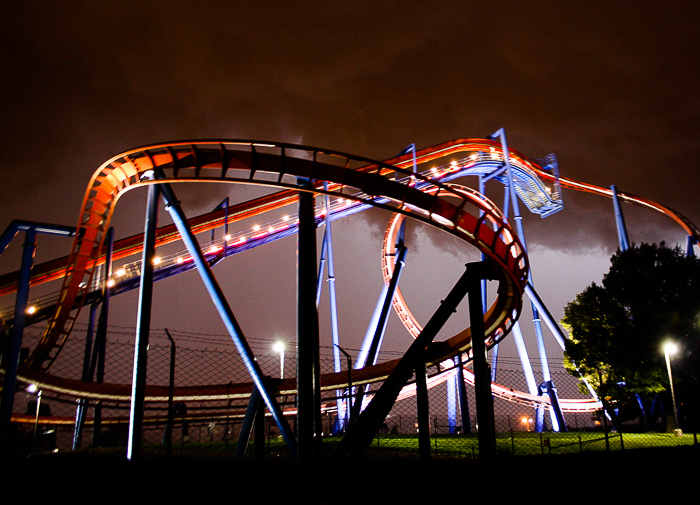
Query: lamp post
(671,348)
(279,348)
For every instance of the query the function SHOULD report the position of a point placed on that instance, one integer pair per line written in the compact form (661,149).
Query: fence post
(435,433)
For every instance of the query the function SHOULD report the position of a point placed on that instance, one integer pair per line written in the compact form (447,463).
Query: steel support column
(328,246)
(452,385)
(138,382)
(171,397)
(101,337)
(622,236)
(308,408)
(81,409)
(423,411)
(463,399)
(251,413)
(221,304)
(381,321)
(363,430)
(482,374)
(689,248)
(513,197)
(94,360)
(14,345)
(549,389)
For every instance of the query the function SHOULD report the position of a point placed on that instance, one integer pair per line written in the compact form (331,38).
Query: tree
(650,294)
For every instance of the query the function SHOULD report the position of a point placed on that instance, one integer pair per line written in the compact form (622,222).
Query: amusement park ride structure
(415,184)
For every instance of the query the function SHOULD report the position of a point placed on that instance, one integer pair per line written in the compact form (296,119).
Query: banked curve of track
(281,165)
(276,200)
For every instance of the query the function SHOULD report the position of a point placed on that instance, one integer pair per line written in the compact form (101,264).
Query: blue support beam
(335,337)
(143,329)
(363,430)
(622,236)
(251,413)
(11,353)
(221,304)
(18,225)
(14,345)
(452,385)
(81,409)
(513,200)
(379,322)
(94,359)
(99,358)
(463,398)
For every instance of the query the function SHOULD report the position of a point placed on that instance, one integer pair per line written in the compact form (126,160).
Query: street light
(279,347)
(672,348)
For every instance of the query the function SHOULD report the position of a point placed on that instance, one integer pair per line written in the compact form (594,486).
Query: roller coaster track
(363,182)
(218,161)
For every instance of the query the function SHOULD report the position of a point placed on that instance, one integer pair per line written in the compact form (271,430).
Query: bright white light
(227,238)
(278,347)
(111,283)
(32,388)
(670,348)
(156,260)
(120,273)
(31,309)
(256,227)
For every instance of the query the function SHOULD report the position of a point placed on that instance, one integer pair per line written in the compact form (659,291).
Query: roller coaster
(417,184)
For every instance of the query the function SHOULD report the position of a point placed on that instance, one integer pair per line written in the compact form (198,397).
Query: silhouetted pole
(171,395)
(363,430)
(463,399)
(308,419)
(423,412)
(482,372)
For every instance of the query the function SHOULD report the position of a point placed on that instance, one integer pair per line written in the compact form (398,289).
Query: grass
(461,446)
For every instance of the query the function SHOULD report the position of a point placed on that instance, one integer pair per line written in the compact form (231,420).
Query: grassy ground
(464,446)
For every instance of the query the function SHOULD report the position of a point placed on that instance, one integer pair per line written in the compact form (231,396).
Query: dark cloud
(611,89)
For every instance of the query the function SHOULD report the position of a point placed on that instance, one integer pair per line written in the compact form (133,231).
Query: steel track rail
(273,165)
(125,247)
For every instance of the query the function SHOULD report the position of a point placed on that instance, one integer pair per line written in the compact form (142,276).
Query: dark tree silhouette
(650,295)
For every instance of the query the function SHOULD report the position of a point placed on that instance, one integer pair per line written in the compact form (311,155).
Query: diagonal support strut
(364,429)
(226,314)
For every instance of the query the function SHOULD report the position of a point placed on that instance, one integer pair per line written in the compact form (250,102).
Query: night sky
(610,87)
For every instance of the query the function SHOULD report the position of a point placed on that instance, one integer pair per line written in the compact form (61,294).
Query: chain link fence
(45,420)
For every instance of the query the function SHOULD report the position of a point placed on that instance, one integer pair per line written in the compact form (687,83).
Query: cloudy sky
(610,87)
